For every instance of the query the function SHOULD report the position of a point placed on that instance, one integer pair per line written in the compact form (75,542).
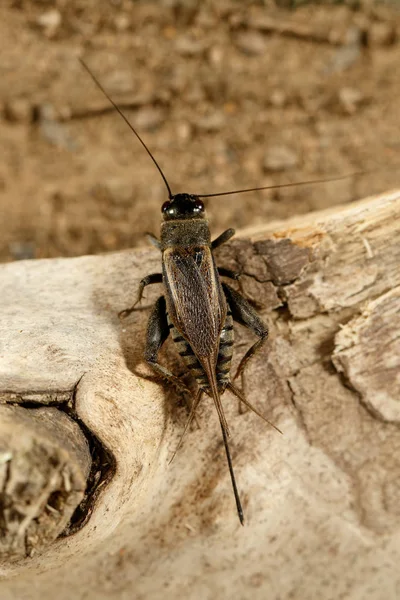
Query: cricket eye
(165,206)
(199,206)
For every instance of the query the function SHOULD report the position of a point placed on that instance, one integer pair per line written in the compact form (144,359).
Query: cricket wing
(195,300)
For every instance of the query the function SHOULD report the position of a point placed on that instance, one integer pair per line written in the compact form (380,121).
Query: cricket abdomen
(224,359)
(225,351)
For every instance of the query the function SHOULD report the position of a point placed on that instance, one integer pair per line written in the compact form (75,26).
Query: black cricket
(197,308)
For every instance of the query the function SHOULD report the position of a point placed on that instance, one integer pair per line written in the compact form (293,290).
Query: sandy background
(222,97)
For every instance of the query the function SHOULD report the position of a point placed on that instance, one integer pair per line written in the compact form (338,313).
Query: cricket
(197,307)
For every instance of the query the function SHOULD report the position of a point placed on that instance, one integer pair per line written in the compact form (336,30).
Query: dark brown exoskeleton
(197,308)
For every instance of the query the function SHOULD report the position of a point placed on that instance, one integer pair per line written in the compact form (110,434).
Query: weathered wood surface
(44,465)
(321,502)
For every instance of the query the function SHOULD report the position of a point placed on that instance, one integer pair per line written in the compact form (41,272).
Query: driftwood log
(322,501)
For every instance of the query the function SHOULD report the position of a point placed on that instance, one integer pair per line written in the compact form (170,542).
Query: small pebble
(52,130)
(188,46)
(251,43)
(116,191)
(278,98)
(216,56)
(212,122)
(183,131)
(149,118)
(50,21)
(169,32)
(348,53)
(381,34)
(280,158)
(122,22)
(22,250)
(19,109)
(349,99)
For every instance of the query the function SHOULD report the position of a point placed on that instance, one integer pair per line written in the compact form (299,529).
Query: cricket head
(183,206)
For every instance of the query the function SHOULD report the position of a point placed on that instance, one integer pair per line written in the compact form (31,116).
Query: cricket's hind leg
(245,314)
(157,332)
(241,397)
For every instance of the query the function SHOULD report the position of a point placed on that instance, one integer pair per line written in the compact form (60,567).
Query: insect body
(197,307)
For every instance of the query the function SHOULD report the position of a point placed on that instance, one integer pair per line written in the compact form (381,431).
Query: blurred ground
(227,95)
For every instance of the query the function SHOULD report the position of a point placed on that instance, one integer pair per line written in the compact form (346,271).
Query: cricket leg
(221,239)
(153,240)
(243,399)
(228,273)
(189,407)
(157,333)
(148,280)
(191,417)
(245,314)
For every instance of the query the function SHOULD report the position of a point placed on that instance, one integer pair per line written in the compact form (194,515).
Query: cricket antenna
(282,185)
(170,194)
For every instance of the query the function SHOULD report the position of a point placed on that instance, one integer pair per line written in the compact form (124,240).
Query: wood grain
(321,502)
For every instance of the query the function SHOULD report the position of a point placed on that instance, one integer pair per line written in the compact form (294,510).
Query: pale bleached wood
(321,501)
